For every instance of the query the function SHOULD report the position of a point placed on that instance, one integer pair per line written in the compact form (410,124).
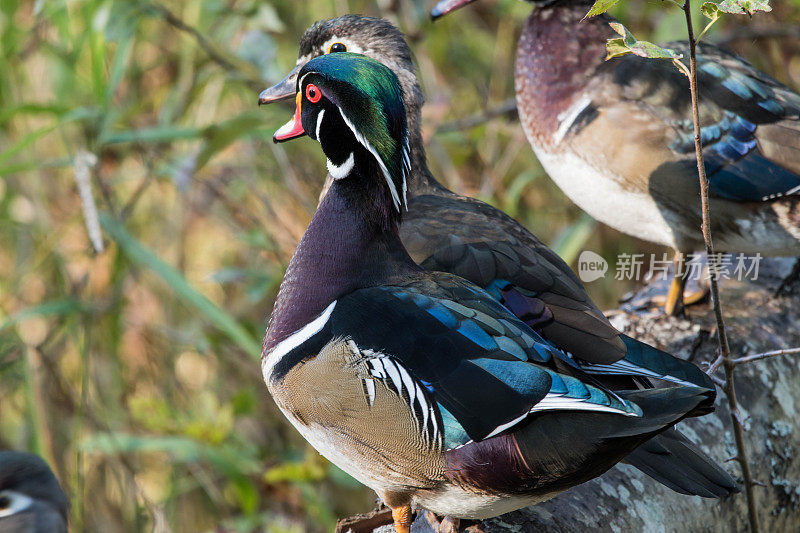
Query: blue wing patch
(736,169)
(490,334)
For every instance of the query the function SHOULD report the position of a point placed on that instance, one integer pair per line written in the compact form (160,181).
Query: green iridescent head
(353,106)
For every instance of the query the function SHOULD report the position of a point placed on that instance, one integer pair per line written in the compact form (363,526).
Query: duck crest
(556,56)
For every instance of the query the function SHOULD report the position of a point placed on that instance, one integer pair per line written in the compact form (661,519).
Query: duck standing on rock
(447,232)
(419,384)
(617,137)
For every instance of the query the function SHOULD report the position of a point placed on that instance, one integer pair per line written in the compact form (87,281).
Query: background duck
(451,233)
(616,136)
(417,383)
(31,500)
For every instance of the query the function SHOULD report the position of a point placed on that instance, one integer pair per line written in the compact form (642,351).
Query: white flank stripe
(370,390)
(319,125)
(567,118)
(379,372)
(338,172)
(436,434)
(559,402)
(626,368)
(553,402)
(507,425)
(409,383)
(394,375)
(366,144)
(294,340)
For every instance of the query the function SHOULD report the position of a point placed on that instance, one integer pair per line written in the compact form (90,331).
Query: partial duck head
(30,497)
(353,106)
(443,7)
(373,37)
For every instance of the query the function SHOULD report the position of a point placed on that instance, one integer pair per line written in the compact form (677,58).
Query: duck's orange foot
(403,517)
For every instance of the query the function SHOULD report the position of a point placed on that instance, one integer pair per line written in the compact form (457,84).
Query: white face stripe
(319,123)
(338,172)
(366,144)
(19,502)
(294,340)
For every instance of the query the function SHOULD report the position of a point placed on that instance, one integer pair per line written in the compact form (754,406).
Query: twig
(508,107)
(215,55)
(722,336)
(765,355)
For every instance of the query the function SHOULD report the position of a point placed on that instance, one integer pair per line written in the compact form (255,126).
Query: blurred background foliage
(134,370)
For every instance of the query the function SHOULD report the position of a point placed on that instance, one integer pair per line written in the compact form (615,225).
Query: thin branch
(508,107)
(722,336)
(210,49)
(765,355)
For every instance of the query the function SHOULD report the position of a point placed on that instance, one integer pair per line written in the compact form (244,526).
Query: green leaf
(65,306)
(182,288)
(741,7)
(234,462)
(628,44)
(221,135)
(154,135)
(711,10)
(600,7)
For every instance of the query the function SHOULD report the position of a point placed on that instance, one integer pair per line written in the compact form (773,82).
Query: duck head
(373,37)
(353,106)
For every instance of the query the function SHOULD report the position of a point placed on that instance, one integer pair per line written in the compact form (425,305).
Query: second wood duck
(420,384)
(451,233)
(617,137)
(31,500)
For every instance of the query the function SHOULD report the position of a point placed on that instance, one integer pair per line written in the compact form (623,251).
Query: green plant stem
(722,336)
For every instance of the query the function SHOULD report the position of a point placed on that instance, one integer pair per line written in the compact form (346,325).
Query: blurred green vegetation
(134,371)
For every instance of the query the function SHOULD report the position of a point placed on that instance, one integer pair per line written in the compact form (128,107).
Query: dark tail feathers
(673,460)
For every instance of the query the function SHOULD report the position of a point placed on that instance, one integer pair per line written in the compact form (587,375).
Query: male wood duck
(31,500)
(617,137)
(418,383)
(447,232)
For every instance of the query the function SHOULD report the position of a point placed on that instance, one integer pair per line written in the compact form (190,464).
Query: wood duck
(418,383)
(446,232)
(617,137)
(31,500)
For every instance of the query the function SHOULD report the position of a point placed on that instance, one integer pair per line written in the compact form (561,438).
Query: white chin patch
(338,172)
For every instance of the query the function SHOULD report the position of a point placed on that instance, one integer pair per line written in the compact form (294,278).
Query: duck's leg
(447,524)
(674,304)
(403,518)
(793,276)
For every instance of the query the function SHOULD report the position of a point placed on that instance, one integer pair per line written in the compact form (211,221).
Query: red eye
(313,94)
